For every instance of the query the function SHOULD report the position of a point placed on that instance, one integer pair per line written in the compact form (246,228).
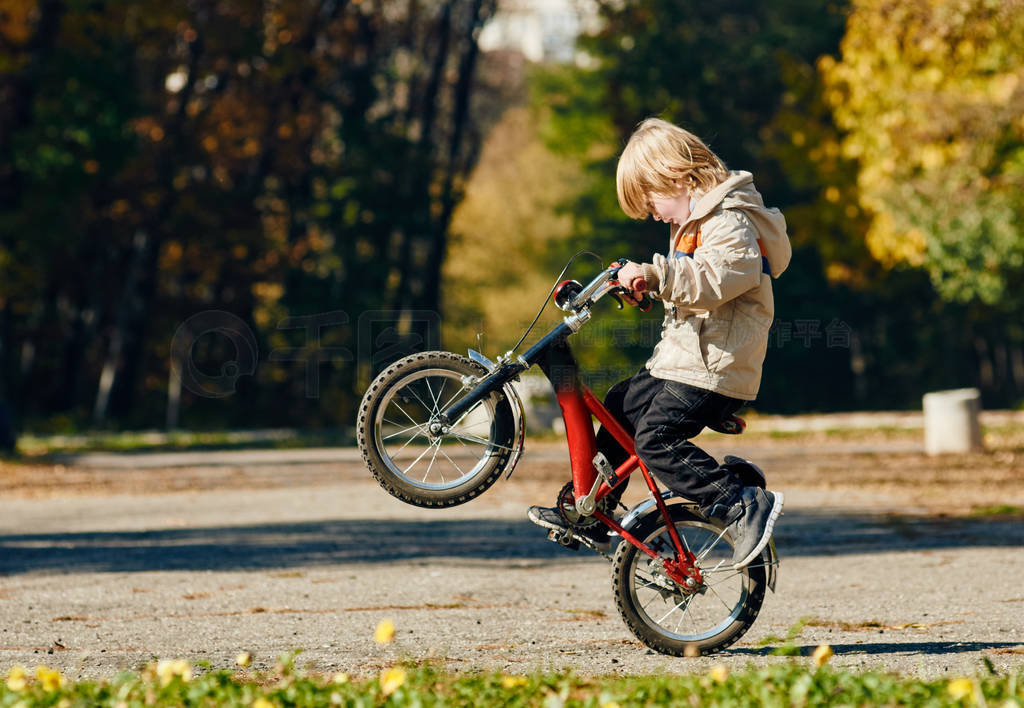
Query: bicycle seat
(733,425)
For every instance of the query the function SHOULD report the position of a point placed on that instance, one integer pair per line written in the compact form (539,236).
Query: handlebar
(607,282)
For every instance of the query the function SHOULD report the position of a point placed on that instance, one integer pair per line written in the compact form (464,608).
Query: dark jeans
(662,416)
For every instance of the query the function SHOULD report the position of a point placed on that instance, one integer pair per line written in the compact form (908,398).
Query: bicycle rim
(429,458)
(689,618)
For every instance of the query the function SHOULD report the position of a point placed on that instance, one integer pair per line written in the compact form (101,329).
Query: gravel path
(271,556)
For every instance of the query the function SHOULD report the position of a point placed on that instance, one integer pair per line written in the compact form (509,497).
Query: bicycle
(672,574)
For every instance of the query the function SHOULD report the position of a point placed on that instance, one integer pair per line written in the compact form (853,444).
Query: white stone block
(952,422)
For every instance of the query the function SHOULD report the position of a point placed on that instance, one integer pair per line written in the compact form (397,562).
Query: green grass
(157,441)
(796,683)
(1003,436)
(997,510)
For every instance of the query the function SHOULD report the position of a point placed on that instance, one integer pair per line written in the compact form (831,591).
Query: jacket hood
(738,192)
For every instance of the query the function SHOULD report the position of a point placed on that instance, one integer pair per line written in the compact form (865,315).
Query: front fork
(578,404)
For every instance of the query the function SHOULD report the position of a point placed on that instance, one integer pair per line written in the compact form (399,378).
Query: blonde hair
(659,153)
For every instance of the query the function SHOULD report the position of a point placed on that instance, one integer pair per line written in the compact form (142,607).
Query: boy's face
(673,209)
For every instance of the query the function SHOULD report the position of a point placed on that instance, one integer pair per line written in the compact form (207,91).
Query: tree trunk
(417,177)
(455,168)
(126,309)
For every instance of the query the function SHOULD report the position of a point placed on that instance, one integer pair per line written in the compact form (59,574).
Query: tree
(272,160)
(930,94)
(726,71)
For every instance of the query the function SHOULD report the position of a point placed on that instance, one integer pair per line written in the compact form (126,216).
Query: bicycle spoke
(405,445)
(656,596)
(432,458)
(719,581)
(674,608)
(647,583)
(718,565)
(449,401)
(730,609)
(430,390)
(733,572)
(417,427)
(411,419)
(653,586)
(463,416)
(478,440)
(413,392)
(452,461)
(715,543)
(682,616)
(406,470)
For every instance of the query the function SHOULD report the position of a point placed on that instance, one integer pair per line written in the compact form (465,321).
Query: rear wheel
(669,620)
(409,450)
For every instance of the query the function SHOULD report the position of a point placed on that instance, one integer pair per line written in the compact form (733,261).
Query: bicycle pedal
(564,538)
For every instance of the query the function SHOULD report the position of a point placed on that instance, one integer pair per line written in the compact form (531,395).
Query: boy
(716,287)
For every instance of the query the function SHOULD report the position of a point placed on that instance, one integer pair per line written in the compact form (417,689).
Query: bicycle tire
(709,636)
(408,380)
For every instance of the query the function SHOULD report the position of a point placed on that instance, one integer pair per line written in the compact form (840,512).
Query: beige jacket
(718,302)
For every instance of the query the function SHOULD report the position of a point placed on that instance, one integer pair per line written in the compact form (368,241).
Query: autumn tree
(930,94)
(274,161)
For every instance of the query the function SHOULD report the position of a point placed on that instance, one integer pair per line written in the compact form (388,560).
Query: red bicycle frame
(579,407)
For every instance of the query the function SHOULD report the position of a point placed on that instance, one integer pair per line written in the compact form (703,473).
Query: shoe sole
(598,546)
(767,535)
(545,524)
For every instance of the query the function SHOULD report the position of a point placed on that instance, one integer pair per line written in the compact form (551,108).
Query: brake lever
(615,267)
(617,299)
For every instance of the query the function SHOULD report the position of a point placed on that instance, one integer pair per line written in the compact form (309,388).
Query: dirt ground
(886,463)
(898,560)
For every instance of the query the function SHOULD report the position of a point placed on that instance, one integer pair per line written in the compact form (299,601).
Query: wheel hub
(438,429)
(673,578)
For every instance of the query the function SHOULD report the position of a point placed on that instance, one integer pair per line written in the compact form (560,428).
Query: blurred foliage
(799,680)
(931,95)
(295,169)
(796,681)
(274,161)
(854,330)
(508,216)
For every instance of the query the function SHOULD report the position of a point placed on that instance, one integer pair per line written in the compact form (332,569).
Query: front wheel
(412,455)
(674,622)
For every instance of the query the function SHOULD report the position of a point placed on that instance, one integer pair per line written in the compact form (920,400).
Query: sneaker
(549,518)
(757,511)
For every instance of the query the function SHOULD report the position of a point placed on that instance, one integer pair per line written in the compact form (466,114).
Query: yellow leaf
(960,688)
(243,659)
(391,680)
(385,632)
(17,678)
(167,670)
(822,654)
(512,681)
(719,673)
(50,679)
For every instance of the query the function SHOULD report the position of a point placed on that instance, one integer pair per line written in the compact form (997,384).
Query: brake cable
(547,298)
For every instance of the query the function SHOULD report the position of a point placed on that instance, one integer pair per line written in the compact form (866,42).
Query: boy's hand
(631,277)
